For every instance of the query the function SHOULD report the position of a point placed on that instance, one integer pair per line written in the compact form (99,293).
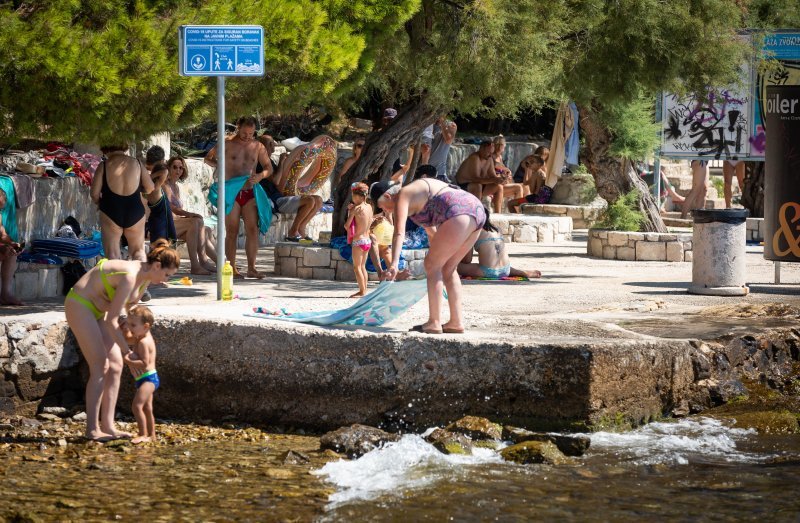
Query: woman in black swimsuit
(117,183)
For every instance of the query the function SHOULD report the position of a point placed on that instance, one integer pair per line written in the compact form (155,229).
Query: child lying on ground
(137,331)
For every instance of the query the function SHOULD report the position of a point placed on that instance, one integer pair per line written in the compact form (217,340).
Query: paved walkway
(577,298)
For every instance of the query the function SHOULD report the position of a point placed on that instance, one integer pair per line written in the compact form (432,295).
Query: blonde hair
(499,140)
(143,313)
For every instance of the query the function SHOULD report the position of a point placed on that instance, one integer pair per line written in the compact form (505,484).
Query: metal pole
(657,162)
(220,182)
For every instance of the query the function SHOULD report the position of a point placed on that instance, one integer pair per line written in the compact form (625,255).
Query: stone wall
(583,216)
(56,198)
(639,246)
(314,262)
(755,230)
(522,228)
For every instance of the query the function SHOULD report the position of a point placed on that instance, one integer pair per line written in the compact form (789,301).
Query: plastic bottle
(227,282)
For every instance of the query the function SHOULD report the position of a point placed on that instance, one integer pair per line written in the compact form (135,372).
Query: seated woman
(189,226)
(8,261)
(511,189)
(535,178)
(493,260)
(358,148)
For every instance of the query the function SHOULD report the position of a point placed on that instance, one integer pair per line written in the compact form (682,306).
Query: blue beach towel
(69,247)
(232,188)
(389,301)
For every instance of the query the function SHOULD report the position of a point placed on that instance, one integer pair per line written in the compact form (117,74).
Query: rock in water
(533,452)
(476,428)
(450,442)
(569,445)
(355,440)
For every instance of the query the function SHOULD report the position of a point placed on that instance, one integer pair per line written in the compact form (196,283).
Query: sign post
(221,50)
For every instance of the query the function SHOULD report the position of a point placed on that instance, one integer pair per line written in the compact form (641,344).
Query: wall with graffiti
(728,124)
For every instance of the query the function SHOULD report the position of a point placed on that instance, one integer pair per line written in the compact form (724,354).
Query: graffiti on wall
(715,126)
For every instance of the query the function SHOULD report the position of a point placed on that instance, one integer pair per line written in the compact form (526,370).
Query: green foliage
(632,126)
(623,214)
(719,184)
(773,14)
(107,70)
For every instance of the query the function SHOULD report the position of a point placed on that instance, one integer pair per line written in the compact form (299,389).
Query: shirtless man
(242,153)
(477,175)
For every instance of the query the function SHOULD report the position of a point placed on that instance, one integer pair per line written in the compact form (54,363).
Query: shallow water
(686,470)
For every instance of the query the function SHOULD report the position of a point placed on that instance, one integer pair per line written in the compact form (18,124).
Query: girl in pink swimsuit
(359,218)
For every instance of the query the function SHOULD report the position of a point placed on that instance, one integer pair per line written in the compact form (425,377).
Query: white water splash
(677,443)
(409,463)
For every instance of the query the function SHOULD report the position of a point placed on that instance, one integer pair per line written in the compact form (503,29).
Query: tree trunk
(753,190)
(614,177)
(380,146)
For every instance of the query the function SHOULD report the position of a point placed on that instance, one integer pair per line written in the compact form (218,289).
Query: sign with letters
(221,50)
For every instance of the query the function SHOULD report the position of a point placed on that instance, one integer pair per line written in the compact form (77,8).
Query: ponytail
(161,252)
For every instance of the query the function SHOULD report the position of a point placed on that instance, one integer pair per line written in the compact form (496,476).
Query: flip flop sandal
(419,328)
(292,239)
(447,330)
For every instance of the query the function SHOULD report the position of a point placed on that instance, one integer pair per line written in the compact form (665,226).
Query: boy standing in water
(137,332)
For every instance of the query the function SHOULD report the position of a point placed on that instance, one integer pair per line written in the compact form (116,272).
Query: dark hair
(161,252)
(73,223)
(185,167)
(158,167)
(487,225)
(541,150)
(154,155)
(105,149)
(538,158)
(247,121)
(360,189)
(425,171)
(142,312)
(486,141)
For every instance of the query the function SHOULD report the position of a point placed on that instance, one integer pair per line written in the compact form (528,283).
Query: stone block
(596,247)
(554,210)
(626,253)
(652,236)
(600,234)
(324,274)
(372,276)
(283,251)
(324,236)
(687,246)
(526,234)
(684,237)
(609,252)
(575,212)
(545,233)
(297,251)
(345,272)
(317,257)
(637,236)
(617,238)
(688,256)
(305,273)
(289,267)
(668,237)
(49,283)
(417,267)
(674,252)
(335,256)
(651,251)
(26,285)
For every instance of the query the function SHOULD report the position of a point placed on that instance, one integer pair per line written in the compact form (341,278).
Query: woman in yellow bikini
(93,307)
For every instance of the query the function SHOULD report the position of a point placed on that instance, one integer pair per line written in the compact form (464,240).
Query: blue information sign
(221,50)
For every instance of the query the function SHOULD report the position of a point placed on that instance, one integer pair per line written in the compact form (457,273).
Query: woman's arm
(400,215)
(97,182)
(123,292)
(147,183)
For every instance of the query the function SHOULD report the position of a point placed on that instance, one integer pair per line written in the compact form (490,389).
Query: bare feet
(357,295)
(237,275)
(533,274)
(117,434)
(100,437)
(403,275)
(201,271)
(427,328)
(141,439)
(209,265)
(9,300)
(253,273)
(447,328)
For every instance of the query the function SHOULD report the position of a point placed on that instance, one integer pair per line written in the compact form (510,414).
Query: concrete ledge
(639,246)
(320,262)
(521,228)
(583,216)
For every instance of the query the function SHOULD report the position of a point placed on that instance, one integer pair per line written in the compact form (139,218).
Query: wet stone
(569,445)
(356,440)
(450,442)
(476,428)
(291,457)
(529,452)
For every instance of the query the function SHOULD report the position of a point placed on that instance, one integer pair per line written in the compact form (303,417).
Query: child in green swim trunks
(137,332)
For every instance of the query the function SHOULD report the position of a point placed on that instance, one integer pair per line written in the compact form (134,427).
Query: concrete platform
(591,342)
